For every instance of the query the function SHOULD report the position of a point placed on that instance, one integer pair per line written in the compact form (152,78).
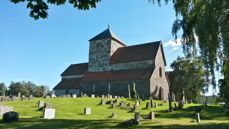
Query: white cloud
(173,44)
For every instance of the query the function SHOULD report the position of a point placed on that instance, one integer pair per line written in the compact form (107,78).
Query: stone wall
(158,82)
(119,88)
(100,53)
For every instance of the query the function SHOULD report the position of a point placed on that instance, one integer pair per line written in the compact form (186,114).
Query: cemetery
(107,112)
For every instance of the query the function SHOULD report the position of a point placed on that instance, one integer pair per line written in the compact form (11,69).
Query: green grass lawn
(69,115)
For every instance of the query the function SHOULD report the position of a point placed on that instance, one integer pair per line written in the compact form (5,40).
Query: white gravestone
(49,113)
(87,111)
(74,96)
(92,96)
(4,109)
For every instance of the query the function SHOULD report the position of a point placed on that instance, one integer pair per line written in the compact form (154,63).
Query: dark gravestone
(151,115)
(10,116)
(103,102)
(137,118)
(155,105)
(198,109)
(148,105)
(151,102)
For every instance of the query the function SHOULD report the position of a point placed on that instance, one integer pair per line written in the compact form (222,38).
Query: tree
(39,8)
(209,21)
(38,91)
(188,78)
(3,89)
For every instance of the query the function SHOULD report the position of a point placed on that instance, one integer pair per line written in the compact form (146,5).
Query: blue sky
(40,50)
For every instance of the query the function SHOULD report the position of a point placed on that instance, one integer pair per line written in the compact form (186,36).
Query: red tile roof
(72,83)
(140,52)
(135,74)
(76,69)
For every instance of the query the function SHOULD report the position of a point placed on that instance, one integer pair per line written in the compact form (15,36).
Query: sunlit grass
(69,114)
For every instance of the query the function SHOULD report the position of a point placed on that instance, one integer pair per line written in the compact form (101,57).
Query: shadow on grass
(97,124)
(208,113)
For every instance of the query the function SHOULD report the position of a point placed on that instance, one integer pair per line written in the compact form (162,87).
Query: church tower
(102,47)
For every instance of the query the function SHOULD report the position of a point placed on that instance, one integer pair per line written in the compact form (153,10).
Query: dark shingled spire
(106,34)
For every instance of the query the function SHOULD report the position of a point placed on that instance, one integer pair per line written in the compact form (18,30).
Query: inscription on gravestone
(49,113)
(87,111)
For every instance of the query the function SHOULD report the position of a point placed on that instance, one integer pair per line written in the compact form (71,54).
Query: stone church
(113,66)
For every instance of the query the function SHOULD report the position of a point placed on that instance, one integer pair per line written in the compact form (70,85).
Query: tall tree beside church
(209,21)
(3,89)
(188,78)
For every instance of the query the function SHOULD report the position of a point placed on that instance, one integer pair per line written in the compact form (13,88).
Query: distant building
(112,66)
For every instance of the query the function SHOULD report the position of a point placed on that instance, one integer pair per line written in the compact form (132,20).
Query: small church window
(160,72)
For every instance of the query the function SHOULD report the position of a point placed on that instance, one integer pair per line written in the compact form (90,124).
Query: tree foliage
(39,8)
(27,89)
(188,77)
(209,21)
(3,89)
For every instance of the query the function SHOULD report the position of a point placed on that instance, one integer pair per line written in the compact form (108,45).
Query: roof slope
(107,34)
(135,74)
(71,83)
(76,69)
(147,51)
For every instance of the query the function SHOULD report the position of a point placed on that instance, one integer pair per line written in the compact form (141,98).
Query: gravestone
(53,95)
(113,105)
(137,118)
(137,103)
(48,106)
(74,96)
(87,111)
(41,104)
(198,117)
(135,108)
(151,115)
(49,113)
(10,116)
(113,115)
(155,105)
(151,102)
(103,96)
(103,102)
(110,96)
(47,96)
(5,109)
(122,104)
(115,97)
(148,105)
(92,96)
